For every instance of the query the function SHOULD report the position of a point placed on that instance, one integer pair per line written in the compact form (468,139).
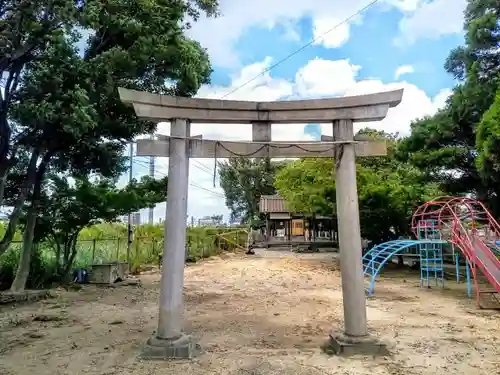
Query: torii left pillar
(169,340)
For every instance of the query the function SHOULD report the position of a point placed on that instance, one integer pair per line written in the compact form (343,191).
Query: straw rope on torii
(169,341)
(200,148)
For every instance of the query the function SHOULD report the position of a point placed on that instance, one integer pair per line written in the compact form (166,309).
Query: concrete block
(347,346)
(183,347)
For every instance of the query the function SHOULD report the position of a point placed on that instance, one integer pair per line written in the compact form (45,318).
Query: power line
(373,2)
(220,195)
(198,166)
(194,185)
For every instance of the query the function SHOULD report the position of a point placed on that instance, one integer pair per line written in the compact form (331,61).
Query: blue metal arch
(387,245)
(375,259)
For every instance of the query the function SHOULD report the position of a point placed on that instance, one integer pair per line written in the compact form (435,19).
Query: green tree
(453,146)
(217,219)
(480,51)
(67,111)
(83,126)
(142,37)
(53,114)
(388,190)
(244,181)
(26,28)
(308,186)
(488,152)
(66,208)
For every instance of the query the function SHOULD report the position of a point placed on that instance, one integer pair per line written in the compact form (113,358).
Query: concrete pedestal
(341,344)
(183,347)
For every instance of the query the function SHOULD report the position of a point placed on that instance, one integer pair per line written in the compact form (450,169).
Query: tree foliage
(308,186)
(457,146)
(244,181)
(139,45)
(67,208)
(388,190)
(60,104)
(488,142)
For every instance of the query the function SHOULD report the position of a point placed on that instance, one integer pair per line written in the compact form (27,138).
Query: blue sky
(370,45)
(394,44)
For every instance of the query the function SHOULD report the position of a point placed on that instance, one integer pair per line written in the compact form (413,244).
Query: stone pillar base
(340,344)
(183,347)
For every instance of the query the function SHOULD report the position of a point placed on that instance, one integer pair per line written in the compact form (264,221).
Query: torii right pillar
(354,339)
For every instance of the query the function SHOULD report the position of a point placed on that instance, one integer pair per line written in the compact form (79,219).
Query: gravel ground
(266,314)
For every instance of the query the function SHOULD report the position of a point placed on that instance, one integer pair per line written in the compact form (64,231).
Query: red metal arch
(459,219)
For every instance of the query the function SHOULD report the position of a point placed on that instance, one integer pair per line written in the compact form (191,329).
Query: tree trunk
(72,255)
(5,132)
(3,181)
(9,88)
(58,256)
(23,268)
(18,208)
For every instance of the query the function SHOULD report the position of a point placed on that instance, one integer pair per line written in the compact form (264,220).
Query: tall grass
(108,242)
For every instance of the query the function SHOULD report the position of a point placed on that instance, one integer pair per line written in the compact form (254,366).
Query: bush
(42,269)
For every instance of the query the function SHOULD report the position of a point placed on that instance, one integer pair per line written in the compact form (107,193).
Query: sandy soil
(261,315)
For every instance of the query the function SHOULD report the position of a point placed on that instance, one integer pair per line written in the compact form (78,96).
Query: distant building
(136,218)
(207,221)
(285,227)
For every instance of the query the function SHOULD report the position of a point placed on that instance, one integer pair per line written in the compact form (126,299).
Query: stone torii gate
(169,340)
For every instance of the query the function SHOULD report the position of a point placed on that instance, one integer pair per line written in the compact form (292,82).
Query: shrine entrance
(169,340)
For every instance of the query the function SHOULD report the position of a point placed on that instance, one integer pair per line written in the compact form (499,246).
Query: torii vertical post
(262,132)
(349,231)
(169,340)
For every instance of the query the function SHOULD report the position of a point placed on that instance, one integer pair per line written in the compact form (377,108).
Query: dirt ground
(261,315)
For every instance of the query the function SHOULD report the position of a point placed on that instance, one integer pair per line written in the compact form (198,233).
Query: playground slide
(487,261)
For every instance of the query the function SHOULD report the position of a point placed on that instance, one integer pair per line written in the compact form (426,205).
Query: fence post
(93,250)
(118,249)
(137,249)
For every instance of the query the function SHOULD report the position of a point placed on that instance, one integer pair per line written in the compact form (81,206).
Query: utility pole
(129,224)
(152,175)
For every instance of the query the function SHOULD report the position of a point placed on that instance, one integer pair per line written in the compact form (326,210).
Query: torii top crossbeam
(159,108)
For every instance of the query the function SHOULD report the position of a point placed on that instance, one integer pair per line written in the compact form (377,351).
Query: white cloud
(341,80)
(403,69)
(330,32)
(406,5)
(325,77)
(220,35)
(318,78)
(431,20)
(422,18)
